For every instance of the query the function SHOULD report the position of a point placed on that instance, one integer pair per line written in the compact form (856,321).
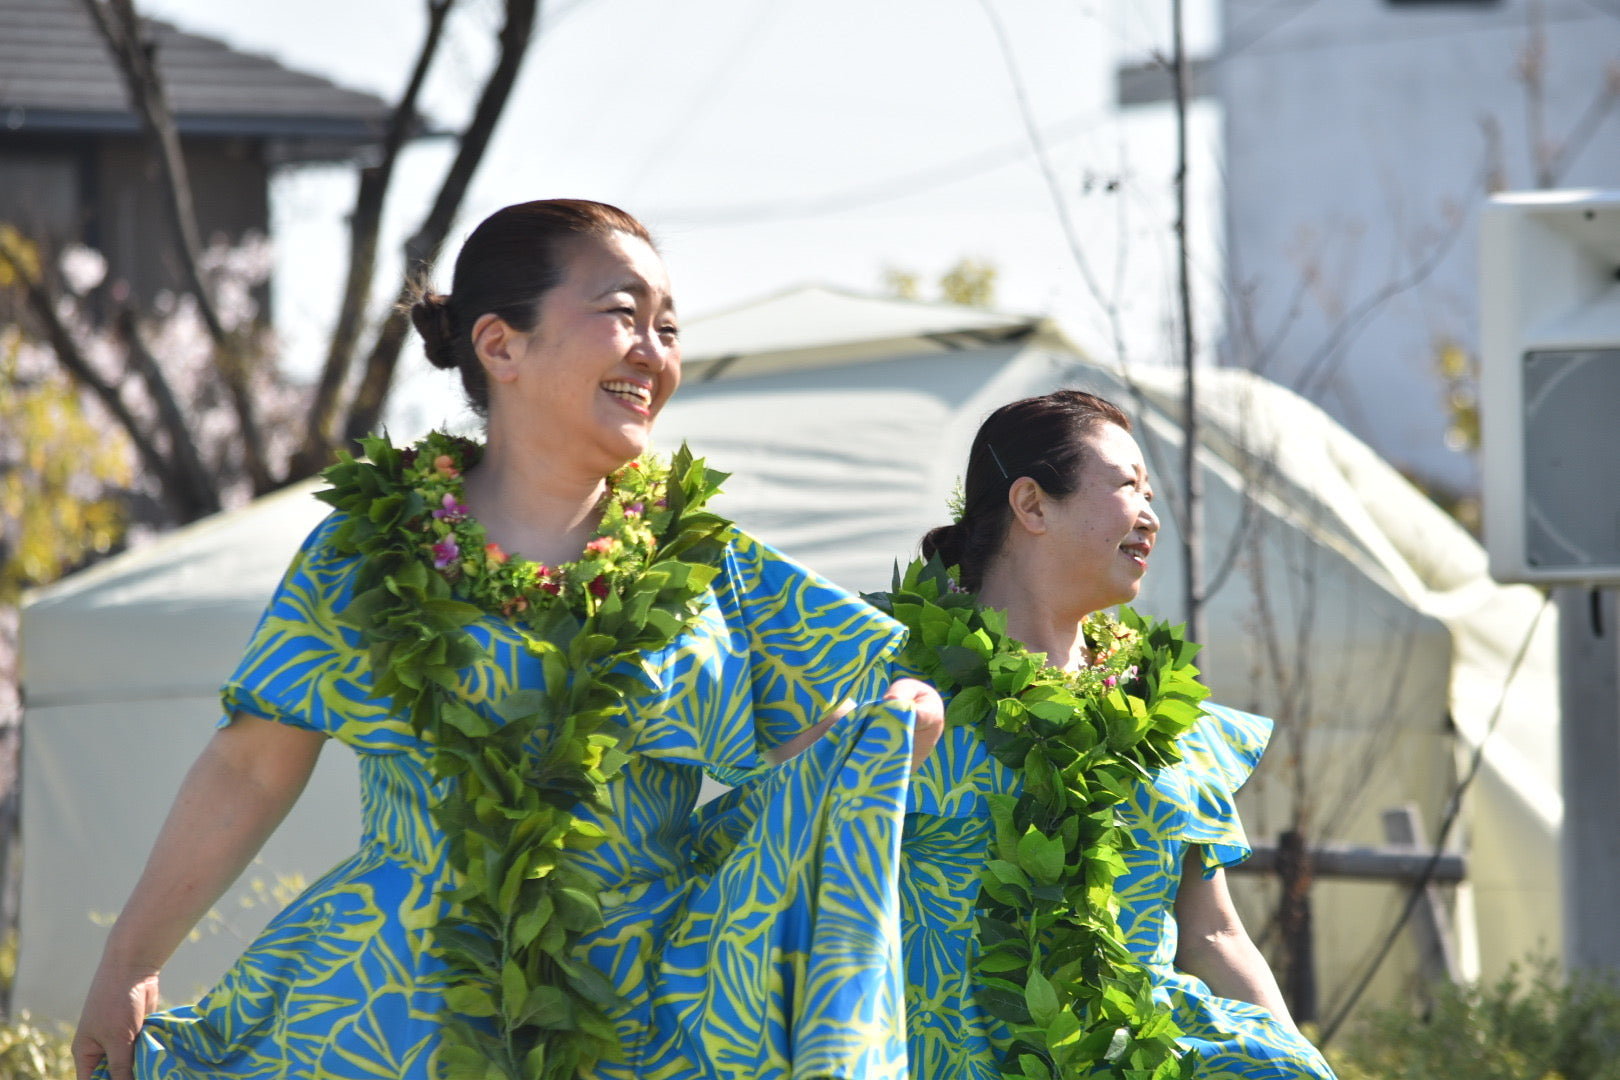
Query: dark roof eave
(80,122)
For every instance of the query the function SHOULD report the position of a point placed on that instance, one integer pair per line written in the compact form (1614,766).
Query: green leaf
(1041,999)
(1033,1068)
(1080,748)
(469,999)
(1041,857)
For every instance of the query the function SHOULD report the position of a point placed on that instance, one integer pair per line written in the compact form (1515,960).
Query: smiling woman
(1100,731)
(537,647)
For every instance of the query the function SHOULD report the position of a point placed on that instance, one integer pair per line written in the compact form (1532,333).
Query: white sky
(770,143)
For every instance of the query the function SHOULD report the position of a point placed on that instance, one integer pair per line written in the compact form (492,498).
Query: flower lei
(1053,965)
(520,1003)
(623,544)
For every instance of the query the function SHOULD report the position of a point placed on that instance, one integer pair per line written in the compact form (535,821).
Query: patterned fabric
(779,958)
(947,840)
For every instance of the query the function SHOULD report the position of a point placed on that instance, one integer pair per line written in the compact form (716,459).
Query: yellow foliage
(54,472)
(902,284)
(971,283)
(18,252)
(30,1052)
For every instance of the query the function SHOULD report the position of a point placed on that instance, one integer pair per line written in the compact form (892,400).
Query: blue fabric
(947,841)
(778,957)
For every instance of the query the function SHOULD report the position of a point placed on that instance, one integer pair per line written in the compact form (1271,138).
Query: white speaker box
(1550,385)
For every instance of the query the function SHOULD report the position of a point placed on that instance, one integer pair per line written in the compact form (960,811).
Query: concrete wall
(1361,137)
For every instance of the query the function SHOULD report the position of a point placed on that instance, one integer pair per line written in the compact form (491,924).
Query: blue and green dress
(777,957)
(947,842)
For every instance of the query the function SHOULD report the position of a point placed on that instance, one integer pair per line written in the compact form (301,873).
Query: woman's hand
(114,1011)
(930,709)
(921,698)
(237,792)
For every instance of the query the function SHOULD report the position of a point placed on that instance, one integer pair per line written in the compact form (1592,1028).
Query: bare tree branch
(423,247)
(1454,806)
(199,493)
(136,57)
(79,369)
(365,228)
(1319,367)
(1532,73)
(1602,104)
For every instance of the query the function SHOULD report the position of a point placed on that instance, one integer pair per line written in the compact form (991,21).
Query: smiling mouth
(633,393)
(1139,552)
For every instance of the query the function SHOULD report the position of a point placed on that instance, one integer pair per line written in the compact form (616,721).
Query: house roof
(57,76)
(817,326)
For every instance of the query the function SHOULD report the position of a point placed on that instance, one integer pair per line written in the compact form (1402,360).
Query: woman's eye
(670,331)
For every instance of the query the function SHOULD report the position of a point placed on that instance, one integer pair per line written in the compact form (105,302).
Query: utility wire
(1452,810)
(873,194)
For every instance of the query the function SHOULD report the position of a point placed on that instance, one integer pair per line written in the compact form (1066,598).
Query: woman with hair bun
(536,646)
(1080,755)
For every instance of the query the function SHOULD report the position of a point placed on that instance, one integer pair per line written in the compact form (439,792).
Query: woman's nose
(652,353)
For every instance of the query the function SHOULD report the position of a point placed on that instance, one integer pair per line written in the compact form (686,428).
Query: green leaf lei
(1053,965)
(521,1003)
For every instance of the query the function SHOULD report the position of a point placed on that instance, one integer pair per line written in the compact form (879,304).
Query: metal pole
(1589,704)
(1192,539)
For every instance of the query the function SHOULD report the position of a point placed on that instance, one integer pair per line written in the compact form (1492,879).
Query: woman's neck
(1032,615)
(532,505)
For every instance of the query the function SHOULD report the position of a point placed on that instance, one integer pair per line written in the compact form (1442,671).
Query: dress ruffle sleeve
(1220,752)
(302,667)
(806,646)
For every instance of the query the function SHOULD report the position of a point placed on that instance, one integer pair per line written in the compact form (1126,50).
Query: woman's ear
(497,346)
(1028,503)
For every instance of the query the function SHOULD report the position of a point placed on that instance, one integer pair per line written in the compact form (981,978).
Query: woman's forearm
(236,793)
(1233,967)
(1212,944)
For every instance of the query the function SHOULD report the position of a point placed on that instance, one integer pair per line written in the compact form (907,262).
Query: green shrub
(1530,1025)
(29,1052)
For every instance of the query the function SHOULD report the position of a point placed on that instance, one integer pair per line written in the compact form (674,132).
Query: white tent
(1350,607)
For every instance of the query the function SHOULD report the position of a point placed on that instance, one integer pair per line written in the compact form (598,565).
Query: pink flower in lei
(458,548)
(450,510)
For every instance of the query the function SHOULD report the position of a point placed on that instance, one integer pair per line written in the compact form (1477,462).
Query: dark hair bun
(946,541)
(437,324)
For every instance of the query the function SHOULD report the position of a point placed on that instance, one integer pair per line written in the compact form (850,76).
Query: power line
(862,196)
(1453,808)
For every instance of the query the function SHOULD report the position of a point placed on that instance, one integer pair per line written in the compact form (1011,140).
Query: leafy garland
(1053,965)
(624,542)
(520,1003)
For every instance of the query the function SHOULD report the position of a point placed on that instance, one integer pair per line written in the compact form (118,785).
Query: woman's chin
(627,444)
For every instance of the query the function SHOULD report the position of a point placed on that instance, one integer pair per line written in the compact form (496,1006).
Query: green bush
(1530,1025)
(29,1052)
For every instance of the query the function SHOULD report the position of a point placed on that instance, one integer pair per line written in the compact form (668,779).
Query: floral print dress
(947,840)
(776,955)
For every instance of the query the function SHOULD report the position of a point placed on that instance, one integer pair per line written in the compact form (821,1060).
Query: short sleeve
(811,644)
(1219,753)
(303,668)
